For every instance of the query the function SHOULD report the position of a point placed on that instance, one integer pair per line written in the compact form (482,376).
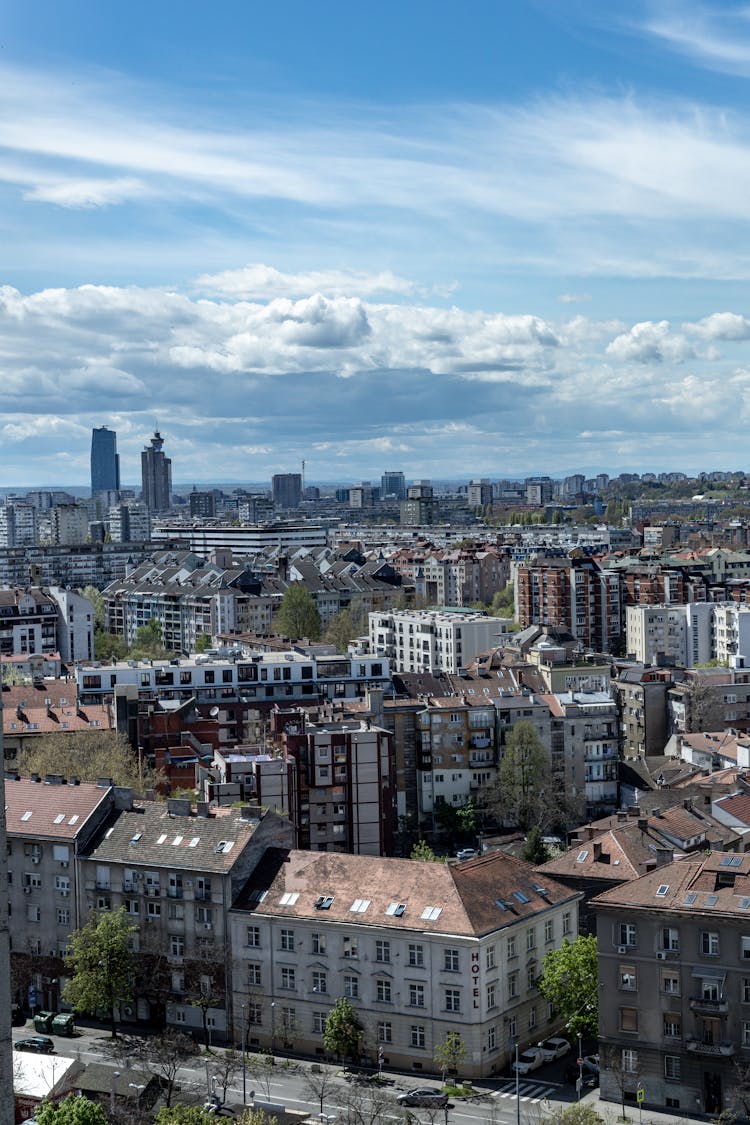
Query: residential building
(674,957)
(420,506)
(641,697)
(392,486)
(420,949)
(286,489)
(458,757)
(49,824)
(479,493)
(435,640)
(18,525)
(202,504)
(204,539)
(53,620)
(105,461)
(176,872)
(571,593)
(128,522)
(156,476)
(69,524)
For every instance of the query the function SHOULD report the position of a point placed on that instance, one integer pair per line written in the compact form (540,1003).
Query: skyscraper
(156,476)
(287,490)
(105,461)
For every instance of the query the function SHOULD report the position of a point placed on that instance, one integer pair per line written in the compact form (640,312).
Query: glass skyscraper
(105,461)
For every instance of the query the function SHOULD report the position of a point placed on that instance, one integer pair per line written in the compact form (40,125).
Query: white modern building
(434,640)
(204,538)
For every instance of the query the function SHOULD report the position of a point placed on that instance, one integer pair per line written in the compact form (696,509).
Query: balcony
(479,742)
(718,1050)
(703,1005)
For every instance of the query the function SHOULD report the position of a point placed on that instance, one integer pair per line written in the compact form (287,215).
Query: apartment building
(18,525)
(641,697)
(203,538)
(69,524)
(177,872)
(572,593)
(93,564)
(674,961)
(49,826)
(434,641)
(40,621)
(458,756)
(420,949)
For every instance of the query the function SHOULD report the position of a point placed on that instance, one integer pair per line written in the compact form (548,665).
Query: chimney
(597,851)
(643,823)
(201,808)
(179,806)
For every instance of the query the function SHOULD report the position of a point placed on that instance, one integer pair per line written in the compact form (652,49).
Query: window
(670,982)
(709,943)
(255,1013)
(627,934)
(532,1019)
(287,940)
(350,947)
(253,974)
(33,914)
(318,1022)
(382,951)
(416,955)
(629,1060)
(745,948)
(491,996)
(320,982)
(566,927)
(490,957)
(512,986)
(287,978)
(628,978)
(319,944)
(131,906)
(530,977)
(511,947)
(351,987)
(672,1028)
(418,1036)
(628,1019)
(672,1067)
(450,960)
(63,916)
(385,1033)
(670,938)
(746,990)
(710,990)
(512,1029)
(153,910)
(416,995)
(549,931)
(492,1038)
(453,999)
(253,936)
(746,1033)
(383,988)
(530,939)
(177,945)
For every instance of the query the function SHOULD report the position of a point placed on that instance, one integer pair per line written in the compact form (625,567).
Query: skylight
(744,903)
(520,896)
(162,838)
(690,899)
(396,909)
(359,905)
(177,840)
(731,861)
(28,814)
(257,895)
(60,818)
(323,902)
(499,902)
(711,900)
(194,842)
(74,819)
(582,855)
(288,898)
(662,890)
(431,913)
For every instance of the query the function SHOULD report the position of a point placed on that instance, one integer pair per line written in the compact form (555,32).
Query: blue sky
(484,239)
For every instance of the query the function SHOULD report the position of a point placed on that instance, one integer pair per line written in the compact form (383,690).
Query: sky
(487,239)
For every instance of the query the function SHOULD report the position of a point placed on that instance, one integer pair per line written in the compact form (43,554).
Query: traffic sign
(580,1062)
(640,1094)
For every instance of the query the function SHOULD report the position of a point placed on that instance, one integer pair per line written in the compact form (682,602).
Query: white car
(529,1060)
(554,1048)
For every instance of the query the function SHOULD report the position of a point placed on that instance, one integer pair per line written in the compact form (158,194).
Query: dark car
(423,1095)
(39,1043)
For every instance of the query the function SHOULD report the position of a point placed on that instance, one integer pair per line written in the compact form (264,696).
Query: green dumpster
(43,1022)
(63,1024)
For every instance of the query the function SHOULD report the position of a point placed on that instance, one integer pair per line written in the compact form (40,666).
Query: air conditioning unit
(622,949)
(27,890)
(661,955)
(64,863)
(36,859)
(208,926)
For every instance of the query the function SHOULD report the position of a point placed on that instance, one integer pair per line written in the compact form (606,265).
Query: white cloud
(261,282)
(87,193)
(721,326)
(574,298)
(650,342)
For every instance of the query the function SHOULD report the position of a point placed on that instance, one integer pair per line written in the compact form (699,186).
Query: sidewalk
(611,1112)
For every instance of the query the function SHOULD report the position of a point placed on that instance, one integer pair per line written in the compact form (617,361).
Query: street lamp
(273,1027)
(115,1076)
(518,1089)
(244,1055)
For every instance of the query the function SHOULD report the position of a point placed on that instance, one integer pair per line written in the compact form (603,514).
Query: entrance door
(711,1092)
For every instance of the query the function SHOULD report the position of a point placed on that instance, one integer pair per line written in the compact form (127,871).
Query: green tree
(343,1032)
(569,980)
(467,816)
(524,793)
(202,642)
(97,600)
(298,615)
(572,1115)
(108,646)
(86,755)
(184,1115)
(422,851)
(450,1053)
(72,1111)
(535,850)
(503,604)
(341,630)
(101,964)
(149,642)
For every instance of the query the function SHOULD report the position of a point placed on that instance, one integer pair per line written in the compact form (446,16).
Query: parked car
(423,1095)
(528,1060)
(39,1043)
(554,1048)
(467,853)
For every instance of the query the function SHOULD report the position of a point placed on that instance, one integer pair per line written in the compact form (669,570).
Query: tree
(572,1115)
(320,1084)
(368,1106)
(184,1115)
(625,1078)
(343,1032)
(226,1065)
(101,965)
(569,980)
(202,642)
(261,1069)
(502,604)
(97,602)
(108,646)
(423,852)
(526,792)
(298,615)
(163,1056)
(72,1111)
(535,850)
(450,1052)
(86,755)
(251,1116)
(344,627)
(149,642)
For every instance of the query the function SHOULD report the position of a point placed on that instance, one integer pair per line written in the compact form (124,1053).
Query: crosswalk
(533,1092)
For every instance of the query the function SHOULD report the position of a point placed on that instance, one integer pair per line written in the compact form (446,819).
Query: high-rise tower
(105,461)
(156,475)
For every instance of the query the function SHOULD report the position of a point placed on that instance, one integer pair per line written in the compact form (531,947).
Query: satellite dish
(214,712)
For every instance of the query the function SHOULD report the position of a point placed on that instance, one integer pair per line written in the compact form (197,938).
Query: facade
(286,489)
(479,493)
(105,461)
(202,504)
(203,538)
(574,594)
(156,476)
(129,522)
(420,949)
(392,486)
(18,525)
(674,959)
(38,621)
(177,872)
(434,641)
(69,524)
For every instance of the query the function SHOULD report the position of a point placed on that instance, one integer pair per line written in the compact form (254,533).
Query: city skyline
(495,246)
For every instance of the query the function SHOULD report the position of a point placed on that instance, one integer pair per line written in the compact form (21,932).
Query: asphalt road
(495,1100)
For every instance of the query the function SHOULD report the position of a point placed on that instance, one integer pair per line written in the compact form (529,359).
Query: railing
(703,1003)
(698,1047)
